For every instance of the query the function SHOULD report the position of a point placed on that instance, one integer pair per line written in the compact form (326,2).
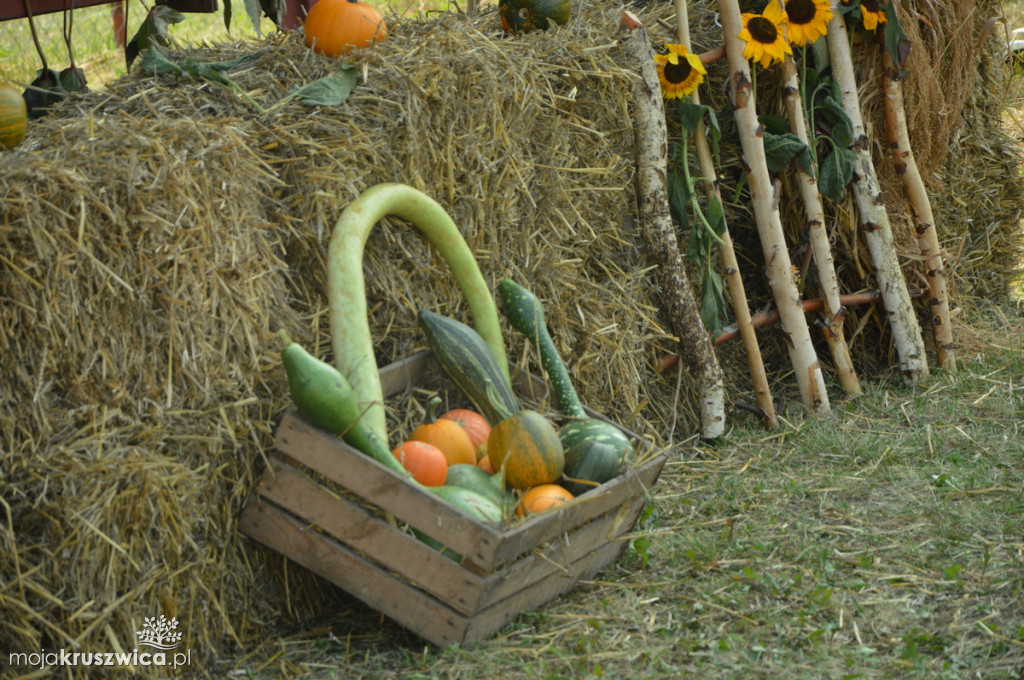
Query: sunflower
(806,20)
(871,14)
(766,42)
(679,72)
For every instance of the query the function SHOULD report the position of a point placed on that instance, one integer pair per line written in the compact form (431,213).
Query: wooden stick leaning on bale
(769,222)
(818,237)
(873,217)
(658,229)
(730,265)
(924,222)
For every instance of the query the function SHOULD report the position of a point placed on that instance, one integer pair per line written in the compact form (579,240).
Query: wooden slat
(342,464)
(545,526)
(355,527)
(560,553)
(319,553)
(487,622)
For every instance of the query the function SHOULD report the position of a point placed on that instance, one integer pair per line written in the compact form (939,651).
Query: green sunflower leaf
(690,116)
(678,197)
(330,90)
(836,172)
(779,150)
(712,302)
(896,41)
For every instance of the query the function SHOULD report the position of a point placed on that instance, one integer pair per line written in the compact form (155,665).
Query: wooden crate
(348,539)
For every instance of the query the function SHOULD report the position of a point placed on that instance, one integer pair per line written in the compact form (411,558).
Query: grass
(886,541)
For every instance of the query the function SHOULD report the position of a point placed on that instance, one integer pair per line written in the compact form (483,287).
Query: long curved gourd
(346,289)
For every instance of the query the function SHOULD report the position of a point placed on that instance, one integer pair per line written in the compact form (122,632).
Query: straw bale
(156,233)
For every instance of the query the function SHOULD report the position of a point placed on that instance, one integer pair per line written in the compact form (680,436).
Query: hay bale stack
(157,233)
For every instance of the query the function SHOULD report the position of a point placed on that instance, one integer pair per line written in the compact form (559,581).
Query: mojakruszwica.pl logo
(158,645)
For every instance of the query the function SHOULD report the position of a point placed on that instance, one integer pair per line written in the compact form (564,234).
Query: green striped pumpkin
(465,358)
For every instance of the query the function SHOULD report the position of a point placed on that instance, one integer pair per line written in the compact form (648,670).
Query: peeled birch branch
(659,232)
(818,236)
(769,222)
(730,264)
(924,222)
(873,217)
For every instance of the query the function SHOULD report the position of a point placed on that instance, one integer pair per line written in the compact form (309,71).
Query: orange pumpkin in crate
(425,462)
(446,435)
(543,497)
(13,116)
(475,425)
(336,27)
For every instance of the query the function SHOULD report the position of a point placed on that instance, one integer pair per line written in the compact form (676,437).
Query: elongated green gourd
(322,394)
(346,289)
(464,358)
(526,314)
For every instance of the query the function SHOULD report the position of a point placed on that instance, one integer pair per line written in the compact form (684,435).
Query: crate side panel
(613,527)
(487,622)
(631,484)
(410,607)
(356,528)
(344,465)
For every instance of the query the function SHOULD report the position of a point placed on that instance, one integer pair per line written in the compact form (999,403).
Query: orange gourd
(485,465)
(475,425)
(13,116)
(446,435)
(424,461)
(527,447)
(336,27)
(543,497)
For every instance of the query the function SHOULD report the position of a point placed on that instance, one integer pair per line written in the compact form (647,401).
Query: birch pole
(873,217)
(924,222)
(818,237)
(769,222)
(658,230)
(730,265)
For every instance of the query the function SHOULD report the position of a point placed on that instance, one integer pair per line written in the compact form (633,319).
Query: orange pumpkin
(485,465)
(425,462)
(475,425)
(542,497)
(13,116)
(527,447)
(336,27)
(446,435)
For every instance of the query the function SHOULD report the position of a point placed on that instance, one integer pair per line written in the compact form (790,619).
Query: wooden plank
(560,553)
(344,465)
(408,372)
(15,9)
(359,529)
(545,526)
(487,622)
(407,605)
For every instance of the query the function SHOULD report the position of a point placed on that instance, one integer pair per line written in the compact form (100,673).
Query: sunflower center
(678,73)
(763,30)
(871,5)
(800,11)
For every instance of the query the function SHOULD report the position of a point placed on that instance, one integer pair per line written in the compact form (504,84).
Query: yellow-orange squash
(527,448)
(13,116)
(336,27)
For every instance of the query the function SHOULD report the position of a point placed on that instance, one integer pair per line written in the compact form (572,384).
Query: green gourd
(323,395)
(525,313)
(464,357)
